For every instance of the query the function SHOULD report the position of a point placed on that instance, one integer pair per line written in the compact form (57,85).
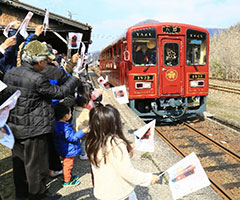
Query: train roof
(159,24)
(155,24)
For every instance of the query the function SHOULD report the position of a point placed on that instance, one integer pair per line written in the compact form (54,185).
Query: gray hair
(32,60)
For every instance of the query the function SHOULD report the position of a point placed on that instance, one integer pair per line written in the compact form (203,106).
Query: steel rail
(224,89)
(229,152)
(225,80)
(218,188)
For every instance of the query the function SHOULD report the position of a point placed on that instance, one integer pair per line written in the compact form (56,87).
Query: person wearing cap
(33,119)
(145,54)
(142,55)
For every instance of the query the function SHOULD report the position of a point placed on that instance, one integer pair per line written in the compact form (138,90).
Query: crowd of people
(57,117)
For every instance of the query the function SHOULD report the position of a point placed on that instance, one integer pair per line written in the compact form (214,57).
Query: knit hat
(36,48)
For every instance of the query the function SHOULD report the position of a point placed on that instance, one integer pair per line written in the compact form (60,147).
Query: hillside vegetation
(224,57)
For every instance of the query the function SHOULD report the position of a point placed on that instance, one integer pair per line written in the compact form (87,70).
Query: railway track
(215,157)
(225,80)
(219,156)
(224,89)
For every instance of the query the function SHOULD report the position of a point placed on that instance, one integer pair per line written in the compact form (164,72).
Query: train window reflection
(144,47)
(171,54)
(196,48)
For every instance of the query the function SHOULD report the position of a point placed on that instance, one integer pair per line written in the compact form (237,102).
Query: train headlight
(143,85)
(197,83)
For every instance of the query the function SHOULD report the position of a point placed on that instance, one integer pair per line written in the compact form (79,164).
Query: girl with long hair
(108,151)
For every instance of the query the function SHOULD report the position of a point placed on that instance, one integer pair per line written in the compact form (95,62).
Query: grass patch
(232,117)
(213,103)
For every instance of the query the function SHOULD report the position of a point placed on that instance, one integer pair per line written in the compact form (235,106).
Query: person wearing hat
(143,54)
(33,119)
(151,44)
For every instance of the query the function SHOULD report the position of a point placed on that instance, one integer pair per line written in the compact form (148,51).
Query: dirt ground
(218,103)
(224,104)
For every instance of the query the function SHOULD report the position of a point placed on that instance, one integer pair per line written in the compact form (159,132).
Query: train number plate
(196,76)
(142,78)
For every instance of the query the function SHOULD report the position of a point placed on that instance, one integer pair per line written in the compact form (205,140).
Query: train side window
(196,51)
(171,54)
(144,47)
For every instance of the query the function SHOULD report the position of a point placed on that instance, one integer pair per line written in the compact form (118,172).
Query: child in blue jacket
(66,142)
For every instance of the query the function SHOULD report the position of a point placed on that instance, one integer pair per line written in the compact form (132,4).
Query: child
(95,96)
(66,141)
(80,120)
(108,151)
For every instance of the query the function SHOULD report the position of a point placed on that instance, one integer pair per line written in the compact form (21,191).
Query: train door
(171,66)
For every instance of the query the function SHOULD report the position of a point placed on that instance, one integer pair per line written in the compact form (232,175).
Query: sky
(109,19)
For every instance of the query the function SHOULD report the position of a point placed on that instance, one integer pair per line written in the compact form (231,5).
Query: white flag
(79,65)
(11,101)
(6,137)
(2,86)
(7,28)
(144,137)
(24,25)
(187,176)
(46,21)
(8,105)
(119,92)
(82,60)
(74,40)
(103,83)
(83,49)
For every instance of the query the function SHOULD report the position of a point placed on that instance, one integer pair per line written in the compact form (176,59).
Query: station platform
(161,159)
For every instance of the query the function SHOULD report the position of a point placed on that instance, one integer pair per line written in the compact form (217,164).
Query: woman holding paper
(108,151)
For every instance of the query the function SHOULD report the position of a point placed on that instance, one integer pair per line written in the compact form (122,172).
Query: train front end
(167,73)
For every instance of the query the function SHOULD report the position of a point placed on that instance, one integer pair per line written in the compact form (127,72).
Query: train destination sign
(196,76)
(171,29)
(144,33)
(143,78)
(196,34)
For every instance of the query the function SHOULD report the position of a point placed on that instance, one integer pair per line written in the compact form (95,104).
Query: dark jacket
(33,114)
(57,76)
(53,72)
(66,140)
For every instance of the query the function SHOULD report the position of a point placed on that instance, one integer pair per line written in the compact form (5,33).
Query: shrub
(224,56)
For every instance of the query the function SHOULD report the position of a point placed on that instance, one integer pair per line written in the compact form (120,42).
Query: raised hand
(39,29)
(9,42)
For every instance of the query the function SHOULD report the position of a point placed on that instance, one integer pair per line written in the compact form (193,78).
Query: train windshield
(171,54)
(196,48)
(144,47)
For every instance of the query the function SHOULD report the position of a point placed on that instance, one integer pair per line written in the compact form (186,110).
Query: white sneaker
(83,157)
(55,173)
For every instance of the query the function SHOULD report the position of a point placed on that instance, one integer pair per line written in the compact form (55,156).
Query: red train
(164,67)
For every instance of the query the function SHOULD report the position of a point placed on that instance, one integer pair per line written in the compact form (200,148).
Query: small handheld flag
(6,137)
(23,27)
(74,40)
(46,21)
(119,93)
(144,137)
(187,176)
(7,28)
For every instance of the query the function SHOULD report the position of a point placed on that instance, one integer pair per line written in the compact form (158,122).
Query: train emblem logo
(171,74)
